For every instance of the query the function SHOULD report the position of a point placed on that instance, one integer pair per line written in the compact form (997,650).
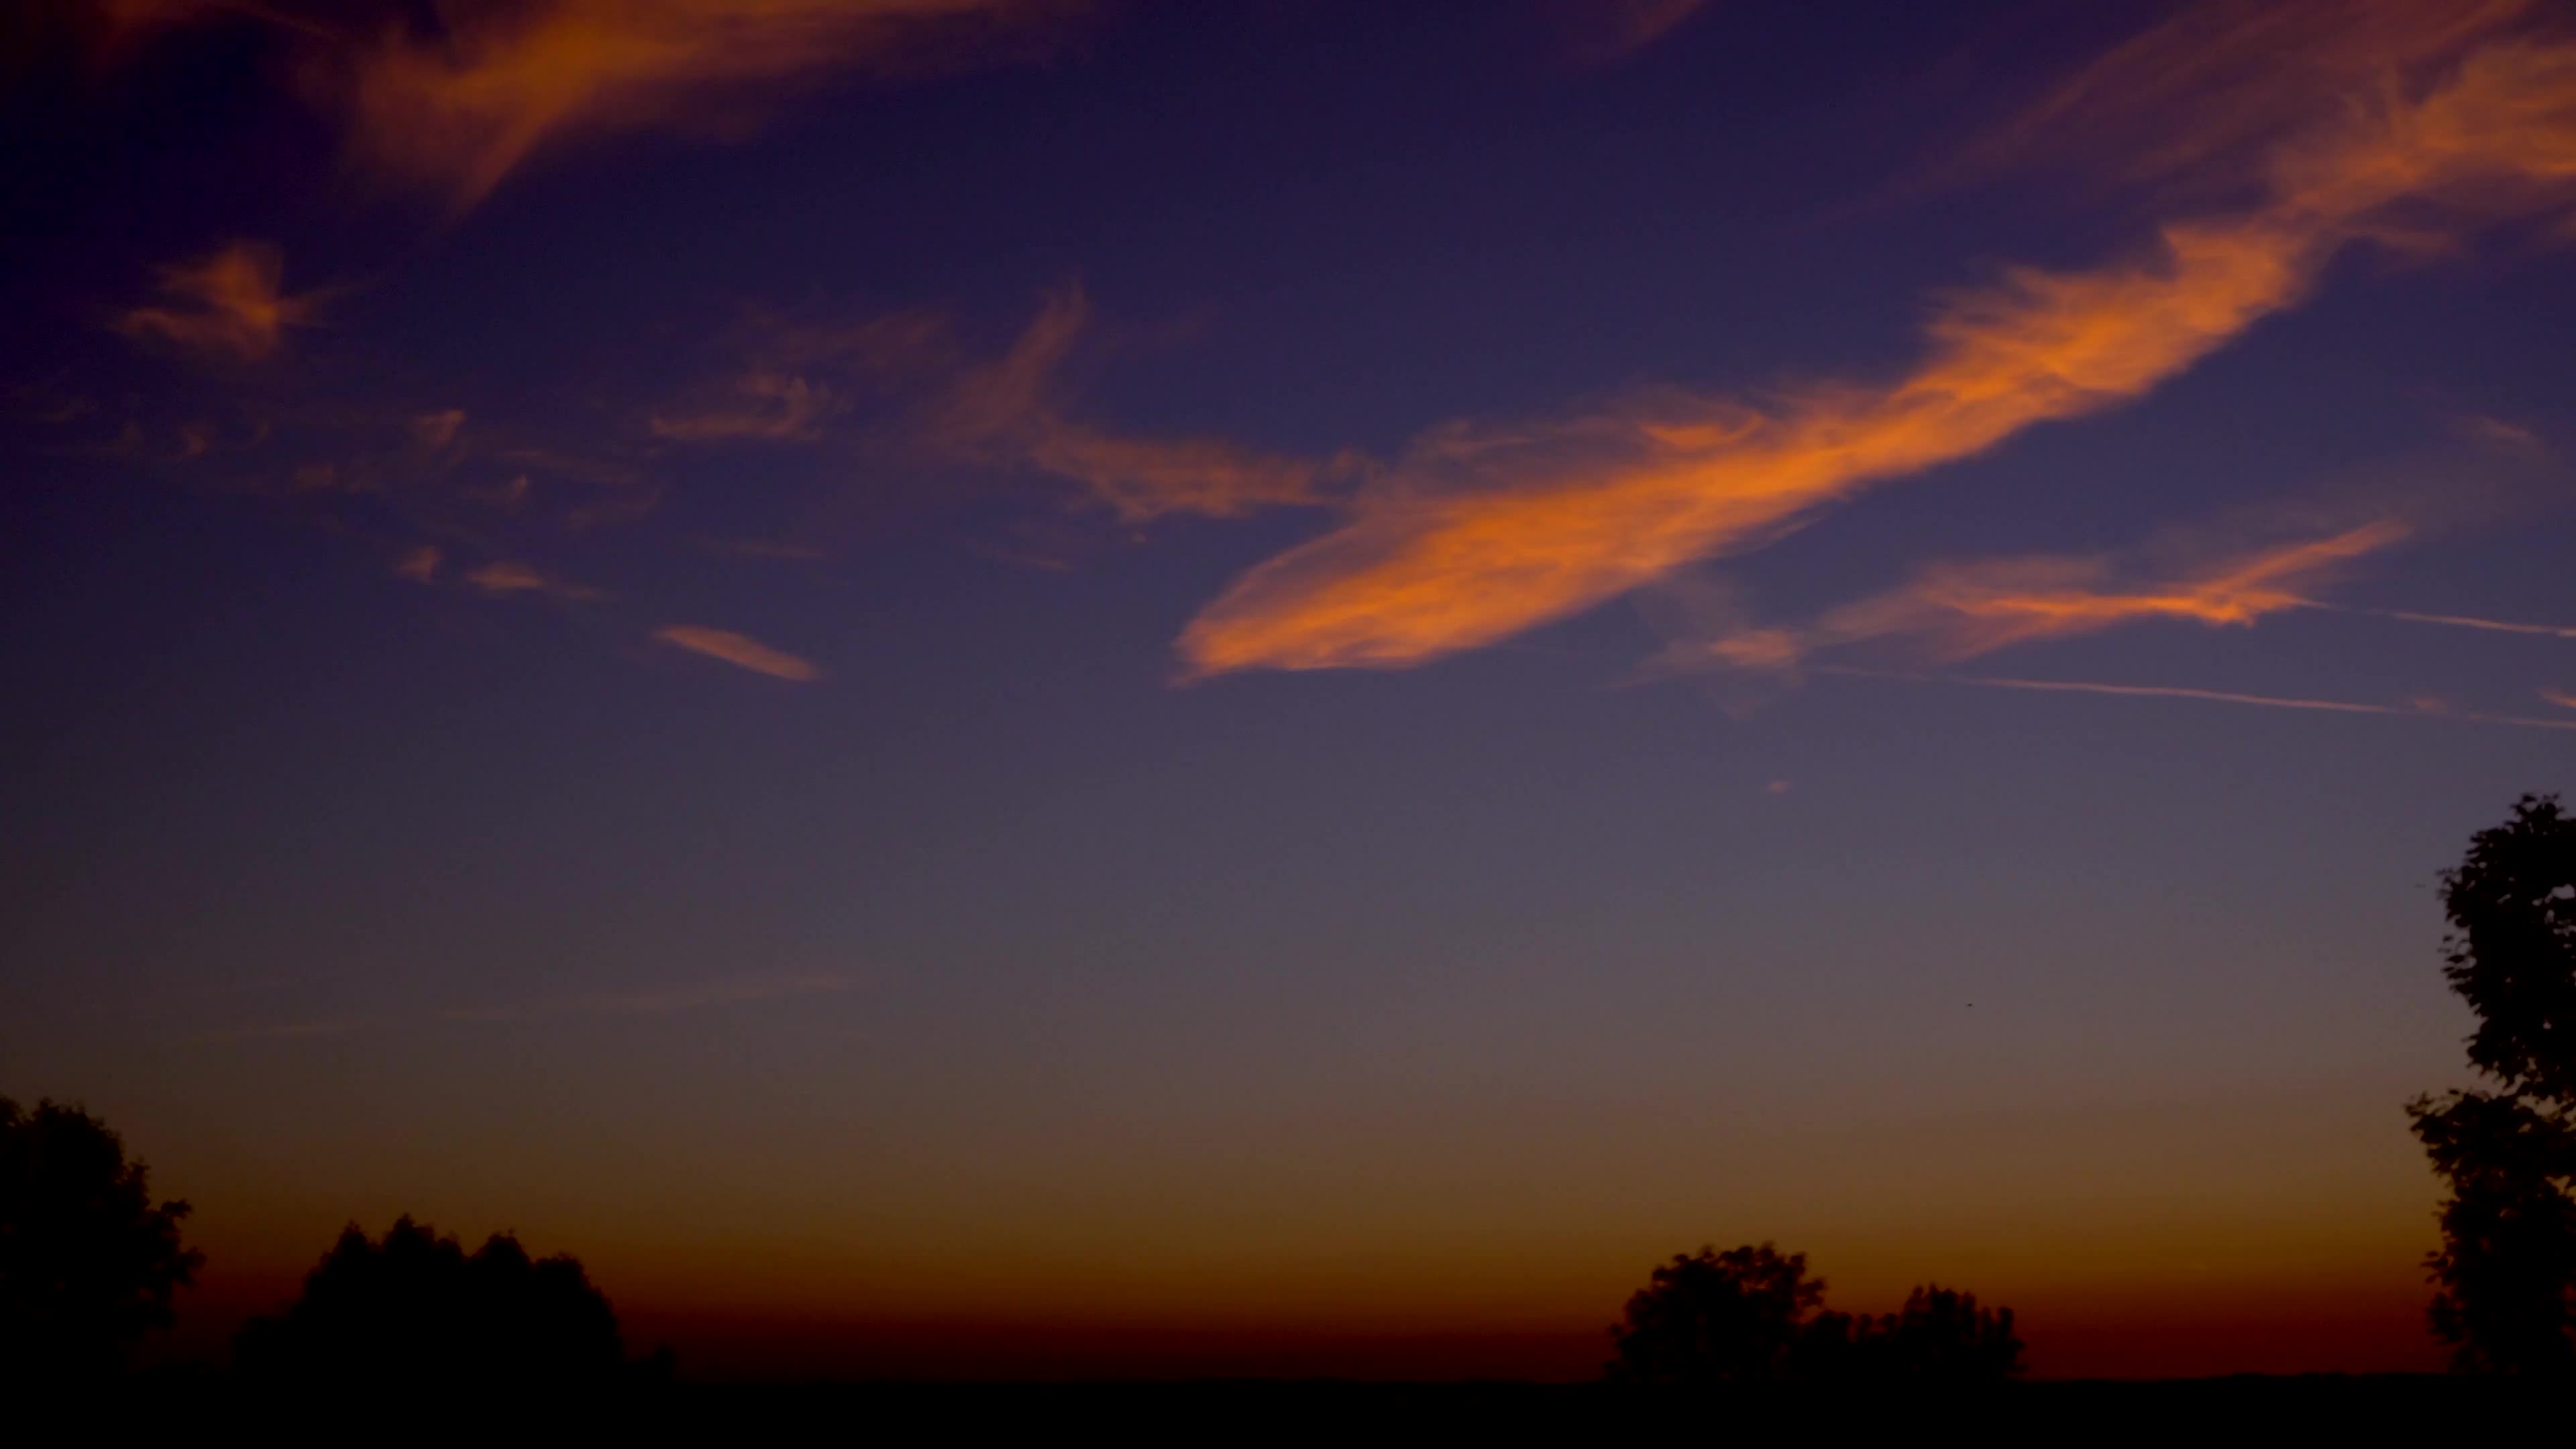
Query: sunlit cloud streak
(764,406)
(2564,699)
(664,1000)
(2463,621)
(503,576)
(420,565)
(1481,533)
(1616,29)
(227,302)
(739,650)
(1006,413)
(1958,611)
(2420,710)
(461,110)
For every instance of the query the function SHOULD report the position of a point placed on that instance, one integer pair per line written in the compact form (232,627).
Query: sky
(1034,687)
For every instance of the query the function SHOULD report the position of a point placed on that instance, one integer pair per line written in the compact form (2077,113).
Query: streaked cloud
(505,576)
(420,565)
(1957,611)
(2466,621)
(763,406)
(2564,699)
(436,431)
(1616,29)
(227,302)
(740,650)
(1483,532)
(2417,709)
(1007,413)
(664,1000)
(459,111)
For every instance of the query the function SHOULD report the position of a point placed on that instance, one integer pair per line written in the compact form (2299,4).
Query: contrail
(2175,691)
(2458,621)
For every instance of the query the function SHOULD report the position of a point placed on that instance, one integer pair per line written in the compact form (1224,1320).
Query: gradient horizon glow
(1036,687)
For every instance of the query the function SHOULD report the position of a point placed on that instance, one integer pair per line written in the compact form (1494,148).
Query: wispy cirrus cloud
(1007,412)
(508,576)
(664,1000)
(1616,29)
(459,110)
(227,302)
(739,650)
(762,406)
(1956,611)
(1481,533)
(2416,709)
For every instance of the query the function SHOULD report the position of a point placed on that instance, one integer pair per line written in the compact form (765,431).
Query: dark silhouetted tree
(87,1260)
(1939,1336)
(1736,1317)
(2505,1278)
(415,1312)
(1753,1316)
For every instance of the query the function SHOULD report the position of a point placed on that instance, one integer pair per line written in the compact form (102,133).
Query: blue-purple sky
(1293,675)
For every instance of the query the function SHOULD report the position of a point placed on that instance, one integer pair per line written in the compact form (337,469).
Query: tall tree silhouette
(2505,1277)
(414,1312)
(88,1262)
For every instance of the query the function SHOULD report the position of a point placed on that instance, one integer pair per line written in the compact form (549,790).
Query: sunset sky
(1026,686)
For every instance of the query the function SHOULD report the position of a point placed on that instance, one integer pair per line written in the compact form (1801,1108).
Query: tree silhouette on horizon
(2505,1277)
(414,1310)
(1752,1315)
(88,1262)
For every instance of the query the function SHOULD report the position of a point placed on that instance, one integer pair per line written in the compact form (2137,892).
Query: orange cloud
(1963,610)
(504,577)
(2562,698)
(1481,534)
(767,406)
(739,650)
(1005,413)
(461,111)
(420,565)
(1617,29)
(229,302)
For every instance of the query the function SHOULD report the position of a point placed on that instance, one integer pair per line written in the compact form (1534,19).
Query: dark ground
(2223,1410)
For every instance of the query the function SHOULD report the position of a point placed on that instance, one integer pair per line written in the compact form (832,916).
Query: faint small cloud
(739,650)
(763,407)
(285,1030)
(1613,30)
(503,576)
(764,548)
(663,1000)
(2563,698)
(1777,787)
(226,302)
(436,430)
(420,565)
(2498,435)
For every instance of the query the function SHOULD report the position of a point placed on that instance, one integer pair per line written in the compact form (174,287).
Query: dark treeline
(90,1262)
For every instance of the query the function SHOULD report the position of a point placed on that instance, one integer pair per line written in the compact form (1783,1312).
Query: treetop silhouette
(1753,1315)
(2505,1276)
(88,1262)
(415,1309)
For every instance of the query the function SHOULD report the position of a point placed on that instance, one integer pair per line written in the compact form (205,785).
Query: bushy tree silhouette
(1753,1315)
(2505,1277)
(88,1261)
(1939,1336)
(414,1311)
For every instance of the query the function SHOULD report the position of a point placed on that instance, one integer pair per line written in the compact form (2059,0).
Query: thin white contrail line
(2175,691)
(2458,621)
